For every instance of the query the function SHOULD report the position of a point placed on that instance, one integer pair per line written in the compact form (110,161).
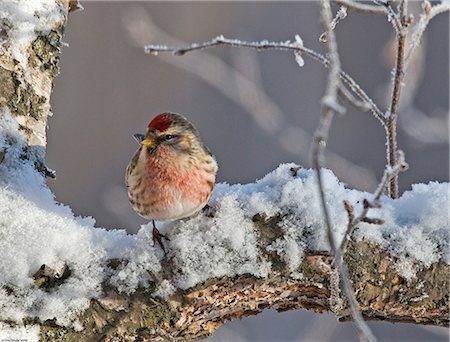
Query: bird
(172,174)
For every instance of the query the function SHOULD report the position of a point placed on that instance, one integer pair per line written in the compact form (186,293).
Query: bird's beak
(141,139)
(138,137)
(148,142)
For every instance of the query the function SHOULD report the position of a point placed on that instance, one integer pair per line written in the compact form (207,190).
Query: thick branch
(195,313)
(27,70)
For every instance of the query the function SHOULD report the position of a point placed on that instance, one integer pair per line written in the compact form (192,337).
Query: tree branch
(362,7)
(27,77)
(353,222)
(330,106)
(399,73)
(197,312)
(429,12)
(266,45)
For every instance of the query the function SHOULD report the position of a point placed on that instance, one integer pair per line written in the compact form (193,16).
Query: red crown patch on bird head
(160,122)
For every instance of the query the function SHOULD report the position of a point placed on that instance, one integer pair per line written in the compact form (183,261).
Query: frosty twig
(346,95)
(340,15)
(389,172)
(362,7)
(399,73)
(330,106)
(266,45)
(393,17)
(429,12)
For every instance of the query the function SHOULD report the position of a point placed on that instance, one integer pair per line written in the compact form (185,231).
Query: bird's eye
(169,137)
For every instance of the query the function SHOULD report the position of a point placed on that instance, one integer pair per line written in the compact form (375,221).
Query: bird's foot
(157,238)
(209,211)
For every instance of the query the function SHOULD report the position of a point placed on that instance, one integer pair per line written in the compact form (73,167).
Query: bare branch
(362,7)
(340,15)
(393,17)
(429,12)
(399,73)
(266,45)
(346,95)
(330,105)
(389,172)
(349,209)
(338,262)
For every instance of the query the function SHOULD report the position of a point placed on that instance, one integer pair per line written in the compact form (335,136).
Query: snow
(35,230)
(298,53)
(165,289)
(223,241)
(223,245)
(416,227)
(25,20)
(29,333)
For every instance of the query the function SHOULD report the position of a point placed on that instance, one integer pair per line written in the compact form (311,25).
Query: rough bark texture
(26,90)
(197,312)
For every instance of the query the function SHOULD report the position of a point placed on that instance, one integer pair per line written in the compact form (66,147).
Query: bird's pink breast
(173,189)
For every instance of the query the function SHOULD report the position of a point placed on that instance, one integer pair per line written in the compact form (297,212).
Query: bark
(25,89)
(195,313)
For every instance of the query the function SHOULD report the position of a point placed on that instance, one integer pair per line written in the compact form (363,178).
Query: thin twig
(362,7)
(399,73)
(340,15)
(393,17)
(330,106)
(429,12)
(346,95)
(389,172)
(266,45)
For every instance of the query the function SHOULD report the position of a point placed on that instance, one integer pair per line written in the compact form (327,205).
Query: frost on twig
(298,53)
(266,45)
(428,13)
(363,7)
(330,106)
(353,222)
(403,55)
(340,15)
(393,17)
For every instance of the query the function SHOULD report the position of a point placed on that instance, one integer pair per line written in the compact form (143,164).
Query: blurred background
(254,110)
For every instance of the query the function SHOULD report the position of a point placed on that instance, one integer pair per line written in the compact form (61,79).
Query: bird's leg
(157,237)
(209,211)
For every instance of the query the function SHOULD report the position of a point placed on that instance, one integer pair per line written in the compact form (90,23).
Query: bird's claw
(157,238)
(209,211)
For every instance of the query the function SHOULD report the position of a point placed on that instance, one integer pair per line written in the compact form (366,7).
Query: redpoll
(172,174)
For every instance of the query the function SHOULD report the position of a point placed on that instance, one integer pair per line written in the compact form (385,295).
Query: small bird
(172,174)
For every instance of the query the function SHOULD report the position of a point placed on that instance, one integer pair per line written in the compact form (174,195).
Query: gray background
(109,89)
